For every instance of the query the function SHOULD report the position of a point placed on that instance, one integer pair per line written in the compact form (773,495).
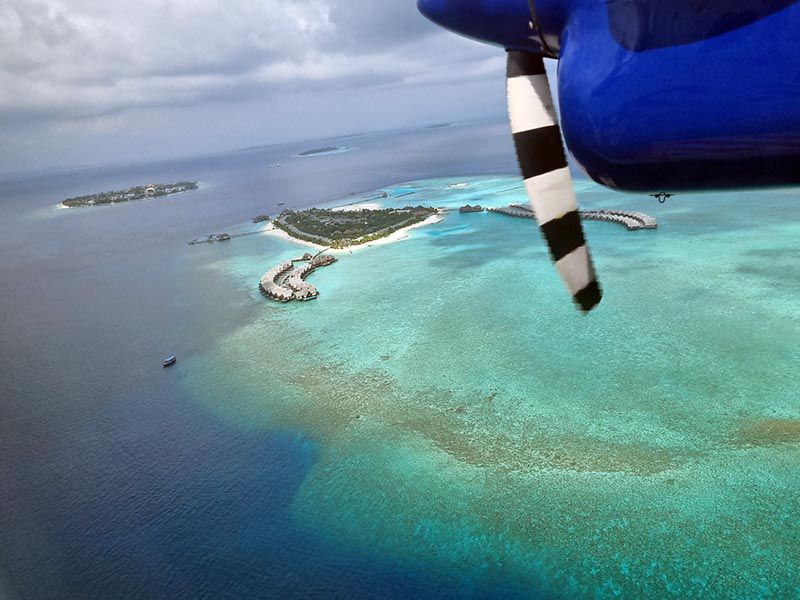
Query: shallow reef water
(472,424)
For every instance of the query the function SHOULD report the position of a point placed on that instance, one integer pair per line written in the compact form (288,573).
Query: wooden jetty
(210,239)
(221,237)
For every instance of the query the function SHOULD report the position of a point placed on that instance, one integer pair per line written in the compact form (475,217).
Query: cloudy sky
(89,81)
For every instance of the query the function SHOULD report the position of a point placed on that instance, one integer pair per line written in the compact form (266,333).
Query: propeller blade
(537,138)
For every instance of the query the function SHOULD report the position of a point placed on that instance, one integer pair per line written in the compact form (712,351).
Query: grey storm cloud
(106,80)
(84,57)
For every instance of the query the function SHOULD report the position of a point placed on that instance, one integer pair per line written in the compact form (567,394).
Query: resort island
(338,228)
(140,192)
(358,224)
(313,151)
(322,151)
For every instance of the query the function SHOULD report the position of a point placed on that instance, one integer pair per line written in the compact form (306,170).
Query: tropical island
(343,228)
(325,150)
(140,192)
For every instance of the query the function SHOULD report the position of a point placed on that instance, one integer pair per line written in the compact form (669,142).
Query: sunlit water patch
(469,419)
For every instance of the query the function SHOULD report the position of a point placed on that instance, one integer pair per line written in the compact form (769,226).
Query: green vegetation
(314,151)
(339,229)
(135,193)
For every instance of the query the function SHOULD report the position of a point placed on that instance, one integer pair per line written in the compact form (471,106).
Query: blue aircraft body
(661,95)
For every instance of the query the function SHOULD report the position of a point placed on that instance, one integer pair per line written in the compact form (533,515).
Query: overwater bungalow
(285,282)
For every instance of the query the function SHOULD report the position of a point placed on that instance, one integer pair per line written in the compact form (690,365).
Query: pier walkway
(221,237)
(630,219)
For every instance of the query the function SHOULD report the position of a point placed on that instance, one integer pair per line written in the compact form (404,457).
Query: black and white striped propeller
(537,138)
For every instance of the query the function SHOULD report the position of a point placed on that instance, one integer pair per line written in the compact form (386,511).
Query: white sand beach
(358,206)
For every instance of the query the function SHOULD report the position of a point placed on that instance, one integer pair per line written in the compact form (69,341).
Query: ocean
(441,422)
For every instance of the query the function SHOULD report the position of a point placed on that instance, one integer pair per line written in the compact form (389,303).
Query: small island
(341,229)
(324,150)
(140,192)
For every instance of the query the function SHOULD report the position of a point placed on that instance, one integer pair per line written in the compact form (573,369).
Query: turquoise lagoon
(471,423)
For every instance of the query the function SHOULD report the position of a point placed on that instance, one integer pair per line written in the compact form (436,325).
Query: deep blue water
(112,483)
